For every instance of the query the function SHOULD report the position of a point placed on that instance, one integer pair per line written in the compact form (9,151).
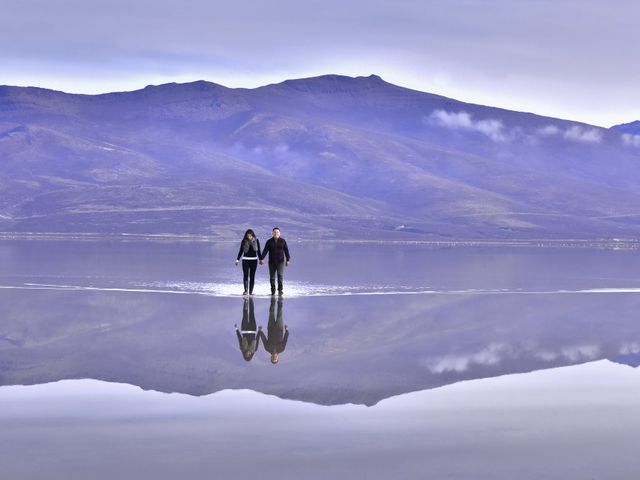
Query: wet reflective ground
(363,323)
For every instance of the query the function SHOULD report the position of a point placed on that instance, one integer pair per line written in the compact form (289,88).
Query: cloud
(492,128)
(452,120)
(575,133)
(549,130)
(583,134)
(630,139)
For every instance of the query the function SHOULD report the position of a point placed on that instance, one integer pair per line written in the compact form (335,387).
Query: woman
(250,254)
(248,338)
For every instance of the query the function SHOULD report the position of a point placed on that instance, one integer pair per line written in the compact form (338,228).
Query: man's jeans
(273,268)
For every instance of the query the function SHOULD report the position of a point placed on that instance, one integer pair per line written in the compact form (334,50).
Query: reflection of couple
(278,251)
(249,336)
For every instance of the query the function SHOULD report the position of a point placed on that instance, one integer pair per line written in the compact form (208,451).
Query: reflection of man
(248,334)
(278,251)
(277,332)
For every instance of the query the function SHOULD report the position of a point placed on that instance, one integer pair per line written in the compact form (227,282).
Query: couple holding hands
(250,254)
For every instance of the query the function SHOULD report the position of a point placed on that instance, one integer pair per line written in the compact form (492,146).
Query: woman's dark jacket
(250,252)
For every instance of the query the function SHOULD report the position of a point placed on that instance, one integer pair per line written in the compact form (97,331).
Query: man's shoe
(273,292)
(280,292)
(244,293)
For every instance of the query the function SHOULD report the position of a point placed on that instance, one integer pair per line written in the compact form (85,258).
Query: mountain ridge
(207,84)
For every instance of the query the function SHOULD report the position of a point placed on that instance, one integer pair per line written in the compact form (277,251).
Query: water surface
(531,349)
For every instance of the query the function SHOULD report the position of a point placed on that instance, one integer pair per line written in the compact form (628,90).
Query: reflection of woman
(277,332)
(248,334)
(250,254)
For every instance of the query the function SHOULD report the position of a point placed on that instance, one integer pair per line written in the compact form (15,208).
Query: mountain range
(330,157)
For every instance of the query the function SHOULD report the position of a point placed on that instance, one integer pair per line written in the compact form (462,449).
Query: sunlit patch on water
(303,289)
(292,289)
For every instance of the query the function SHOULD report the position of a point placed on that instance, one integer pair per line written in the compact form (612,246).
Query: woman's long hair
(248,359)
(246,234)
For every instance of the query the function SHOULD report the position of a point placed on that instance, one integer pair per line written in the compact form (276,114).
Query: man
(277,331)
(278,251)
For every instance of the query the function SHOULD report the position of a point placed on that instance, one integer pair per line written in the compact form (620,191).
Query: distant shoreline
(607,243)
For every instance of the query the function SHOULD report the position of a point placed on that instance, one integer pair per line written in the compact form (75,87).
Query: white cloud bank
(492,128)
(583,134)
(630,139)
(549,130)
(496,130)
(575,133)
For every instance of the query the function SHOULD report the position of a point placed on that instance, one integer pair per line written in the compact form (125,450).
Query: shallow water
(366,323)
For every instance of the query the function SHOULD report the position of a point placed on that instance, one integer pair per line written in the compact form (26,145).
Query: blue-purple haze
(570,59)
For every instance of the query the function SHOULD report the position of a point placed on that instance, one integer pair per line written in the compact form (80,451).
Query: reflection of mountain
(329,156)
(631,359)
(345,349)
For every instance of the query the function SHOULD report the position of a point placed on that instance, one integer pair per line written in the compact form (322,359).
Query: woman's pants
(249,274)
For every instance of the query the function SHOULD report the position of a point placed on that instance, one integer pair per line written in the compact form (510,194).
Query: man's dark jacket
(277,341)
(278,251)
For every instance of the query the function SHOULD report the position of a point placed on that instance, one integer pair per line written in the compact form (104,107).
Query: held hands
(286,264)
(236,263)
(261,262)
(260,328)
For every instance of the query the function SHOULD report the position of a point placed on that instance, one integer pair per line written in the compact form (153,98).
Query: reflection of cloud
(631,348)
(632,140)
(546,356)
(492,128)
(282,148)
(581,352)
(574,353)
(460,363)
(497,352)
(582,134)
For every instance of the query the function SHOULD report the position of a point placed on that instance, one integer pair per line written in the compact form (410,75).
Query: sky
(572,59)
